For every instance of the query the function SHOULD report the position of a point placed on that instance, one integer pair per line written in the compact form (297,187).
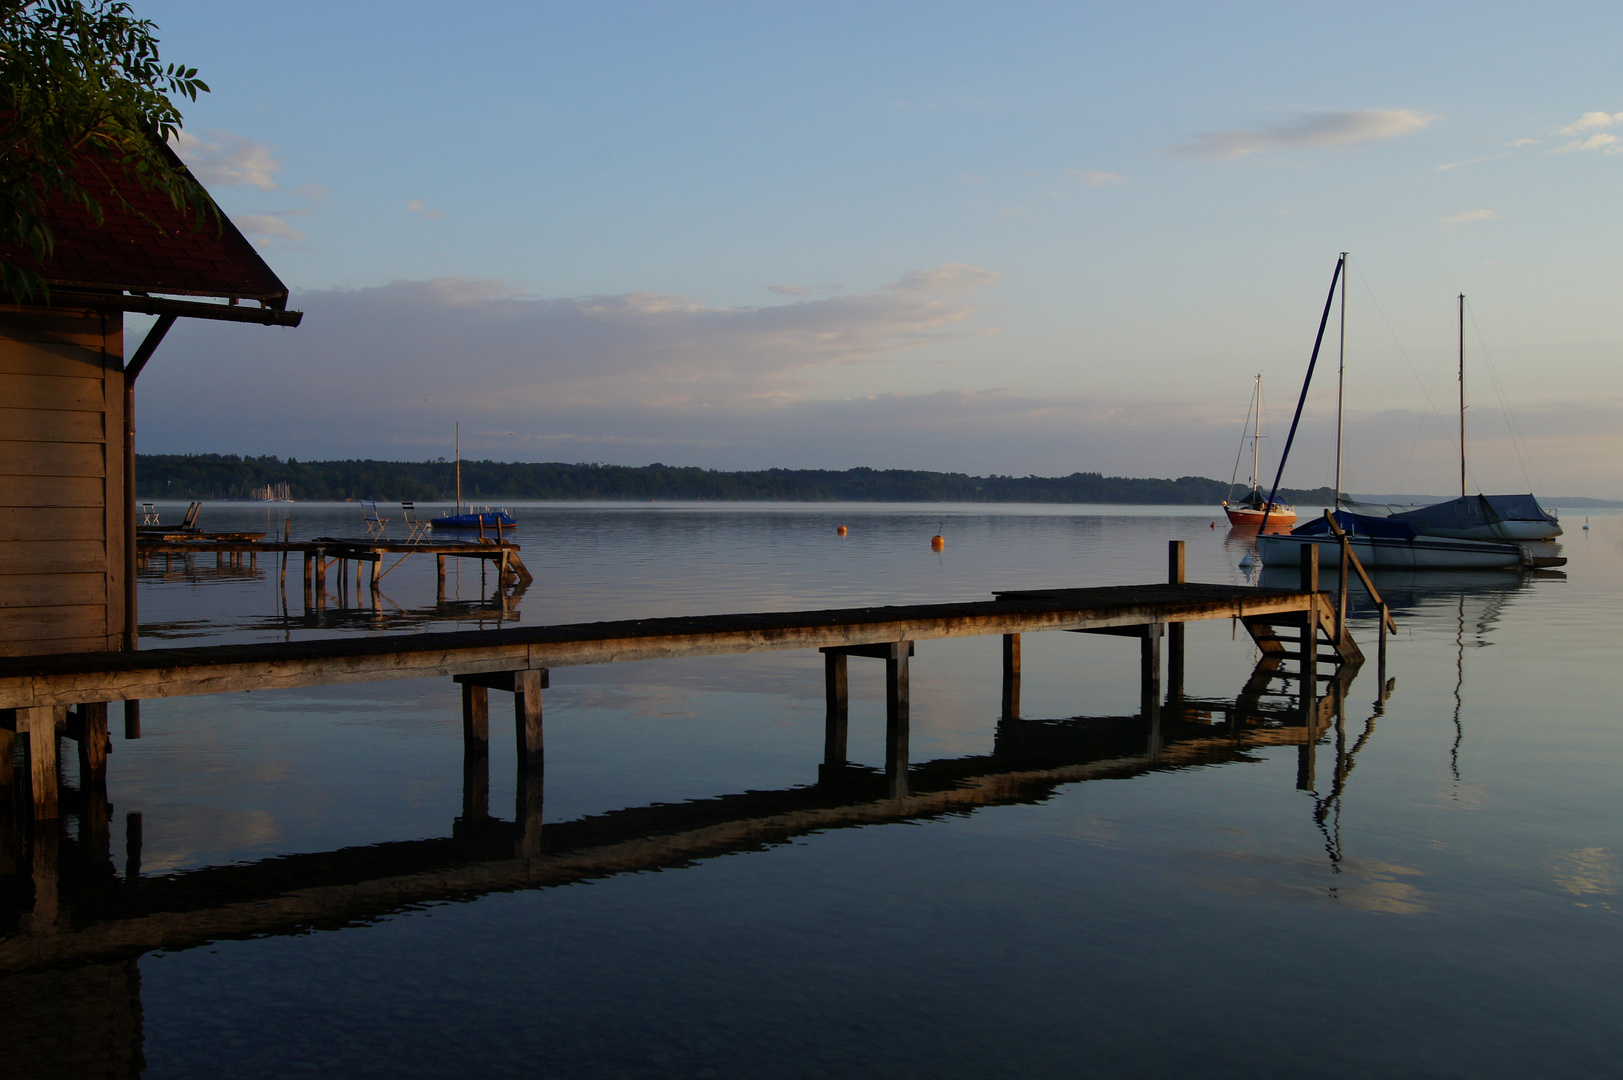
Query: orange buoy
(840,530)
(938,543)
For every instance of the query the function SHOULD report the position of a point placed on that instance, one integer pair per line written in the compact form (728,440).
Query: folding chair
(375,526)
(191,516)
(416,529)
(149,514)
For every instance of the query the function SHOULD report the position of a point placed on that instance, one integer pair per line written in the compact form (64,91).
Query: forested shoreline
(229,476)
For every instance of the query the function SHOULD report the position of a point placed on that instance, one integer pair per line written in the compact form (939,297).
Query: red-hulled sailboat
(1254,508)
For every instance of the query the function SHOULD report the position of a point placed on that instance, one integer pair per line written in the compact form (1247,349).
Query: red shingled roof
(149,246)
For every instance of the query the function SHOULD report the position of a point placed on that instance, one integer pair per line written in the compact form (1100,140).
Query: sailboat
(1250,511)
(1474,517)
(480,518)
(1378,542)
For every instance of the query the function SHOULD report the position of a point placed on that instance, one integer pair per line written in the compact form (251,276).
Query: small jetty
(69,693)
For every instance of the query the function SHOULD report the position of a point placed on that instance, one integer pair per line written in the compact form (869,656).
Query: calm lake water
(1429,891)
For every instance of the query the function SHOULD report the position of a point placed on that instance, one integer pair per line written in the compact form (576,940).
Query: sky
(1014,238)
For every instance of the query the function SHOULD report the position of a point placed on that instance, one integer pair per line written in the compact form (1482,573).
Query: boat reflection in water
(73,923)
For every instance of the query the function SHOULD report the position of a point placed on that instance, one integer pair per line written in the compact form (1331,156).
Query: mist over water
(1430,890)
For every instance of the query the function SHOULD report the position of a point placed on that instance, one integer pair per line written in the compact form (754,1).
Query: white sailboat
(1379,542)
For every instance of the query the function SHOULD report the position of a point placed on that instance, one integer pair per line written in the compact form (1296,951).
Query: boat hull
(492,520)
(1380,552)
(1243,517)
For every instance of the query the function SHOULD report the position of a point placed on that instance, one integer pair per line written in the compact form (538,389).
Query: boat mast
(1462,395)
(1341,378)
(459,466)
(1256,433)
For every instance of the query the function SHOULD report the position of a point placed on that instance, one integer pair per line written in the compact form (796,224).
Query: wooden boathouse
(67,401)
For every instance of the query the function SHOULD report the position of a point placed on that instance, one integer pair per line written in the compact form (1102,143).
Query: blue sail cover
(1360,525)
(1470,511)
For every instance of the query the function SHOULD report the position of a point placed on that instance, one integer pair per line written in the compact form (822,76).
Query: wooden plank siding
(64,503)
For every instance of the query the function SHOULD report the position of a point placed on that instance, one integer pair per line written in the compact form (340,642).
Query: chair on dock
(149,514)
(375,526)
(191,516)
(416,529)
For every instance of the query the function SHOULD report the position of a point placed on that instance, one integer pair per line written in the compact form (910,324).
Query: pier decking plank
(110,676)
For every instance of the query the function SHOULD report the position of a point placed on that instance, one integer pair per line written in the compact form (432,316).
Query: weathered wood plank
(48,557)
(60,620)
(226,668)
(48,590)
(61,325)
(51,392)
(52,358)
(53,646)
(23,492)
(56,522)
(52,458)
(52,425)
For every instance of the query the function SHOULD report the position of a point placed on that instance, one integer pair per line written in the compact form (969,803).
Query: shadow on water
(74,921)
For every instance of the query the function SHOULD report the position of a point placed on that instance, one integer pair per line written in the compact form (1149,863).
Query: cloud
(416,206)
(1309,130)
(266,228)
(948,278)
(1590,121)
(1097,179)
(1473,161)
(1522,142)
(1605,142)
(225,160)
(789,290)
(1469,215)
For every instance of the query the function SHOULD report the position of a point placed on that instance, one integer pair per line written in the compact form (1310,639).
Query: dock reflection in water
(75,918)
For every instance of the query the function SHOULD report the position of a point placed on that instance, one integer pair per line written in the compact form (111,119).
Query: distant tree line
(228,476)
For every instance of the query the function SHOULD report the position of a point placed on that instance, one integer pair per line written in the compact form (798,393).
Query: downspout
(143,353)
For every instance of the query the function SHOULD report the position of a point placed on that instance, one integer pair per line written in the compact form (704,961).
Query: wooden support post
(1175,562)
(1310,568)
(93,743)
(1011,676)
(527,717)
(132,847)
(1307,759)
(132,719)
(40,724)
(528,810)
(475,752)
(1380,651)
(1149,671)
(47,883)
(8,739)
(1341,591)
(897,694)
(321,577)
(836,691)
(1175,662)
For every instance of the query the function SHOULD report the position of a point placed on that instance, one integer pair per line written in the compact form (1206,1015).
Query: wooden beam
(72,678)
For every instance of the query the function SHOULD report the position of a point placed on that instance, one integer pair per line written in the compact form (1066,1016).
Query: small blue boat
(475,519)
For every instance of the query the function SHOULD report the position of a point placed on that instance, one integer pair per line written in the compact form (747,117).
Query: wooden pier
(40,690)
(323,553)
